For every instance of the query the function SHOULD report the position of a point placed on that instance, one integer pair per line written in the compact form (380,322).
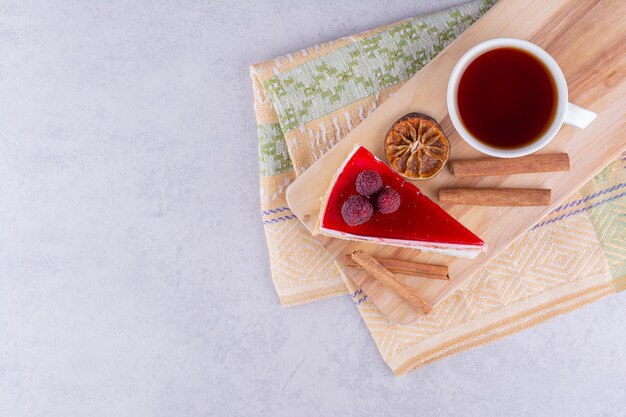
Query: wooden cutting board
(588,40)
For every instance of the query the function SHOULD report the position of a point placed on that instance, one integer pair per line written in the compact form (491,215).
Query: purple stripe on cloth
(360,300)
(274,211)
(357,292)
(584,200)
(580,210)
(280,219)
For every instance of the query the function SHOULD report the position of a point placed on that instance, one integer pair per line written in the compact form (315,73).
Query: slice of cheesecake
(417,222)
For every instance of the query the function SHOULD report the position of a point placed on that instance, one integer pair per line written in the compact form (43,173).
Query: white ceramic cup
(566,112)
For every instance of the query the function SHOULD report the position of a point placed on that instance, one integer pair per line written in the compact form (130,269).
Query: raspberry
(368,183)
(388,201)
(356,210)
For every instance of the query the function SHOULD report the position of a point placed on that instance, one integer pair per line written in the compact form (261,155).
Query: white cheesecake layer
(450,249)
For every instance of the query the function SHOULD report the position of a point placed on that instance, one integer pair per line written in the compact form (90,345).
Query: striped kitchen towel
(307,101)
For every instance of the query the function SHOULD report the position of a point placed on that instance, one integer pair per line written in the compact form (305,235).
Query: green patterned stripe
(363,68)
(274,158)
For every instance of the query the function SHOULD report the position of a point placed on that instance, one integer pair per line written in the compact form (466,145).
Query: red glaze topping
(418,218)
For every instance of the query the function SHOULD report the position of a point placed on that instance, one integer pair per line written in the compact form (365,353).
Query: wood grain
(588,40)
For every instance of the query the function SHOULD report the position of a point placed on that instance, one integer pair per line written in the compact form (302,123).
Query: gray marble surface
(134,278)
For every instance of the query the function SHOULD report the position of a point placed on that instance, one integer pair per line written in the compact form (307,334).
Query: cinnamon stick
(407,267)
(551,162)
(495,196)
(386,277)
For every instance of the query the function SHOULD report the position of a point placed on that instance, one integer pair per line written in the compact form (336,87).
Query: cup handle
(577,116)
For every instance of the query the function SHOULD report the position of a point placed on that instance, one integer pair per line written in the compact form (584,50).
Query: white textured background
(134,278)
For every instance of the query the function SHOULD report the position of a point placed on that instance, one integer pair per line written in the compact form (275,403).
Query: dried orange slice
(416,146)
